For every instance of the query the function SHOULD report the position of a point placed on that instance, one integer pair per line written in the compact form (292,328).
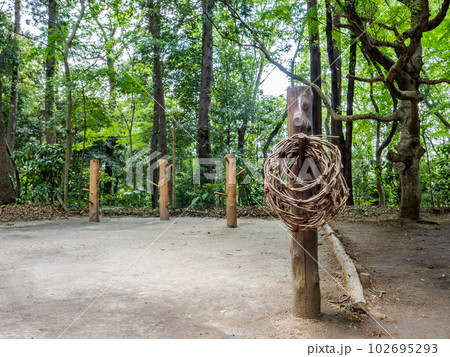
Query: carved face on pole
(302,107)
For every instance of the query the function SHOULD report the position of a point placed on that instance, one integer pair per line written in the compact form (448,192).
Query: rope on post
(319,172)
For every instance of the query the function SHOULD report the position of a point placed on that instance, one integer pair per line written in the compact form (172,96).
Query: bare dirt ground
(409,266)
(194,278)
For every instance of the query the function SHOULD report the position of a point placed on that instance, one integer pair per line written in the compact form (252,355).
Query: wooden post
(231,190)
(305,269)
(163,190)
(94,215)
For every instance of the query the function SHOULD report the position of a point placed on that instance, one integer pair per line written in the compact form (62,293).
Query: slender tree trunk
(315,63)
(244,190)
(429,170)
(154,156)
(159,103)
(174,162)
(12,120)
(159,96)
(437,113)
(68,155)
(204,144)
(50,64)
(378,170)
(327,124)
(109,151)
(159,134)
(111,74)
(7,194)
(243,129)
(241,136)
(336,80)
(349,125)
(80,182)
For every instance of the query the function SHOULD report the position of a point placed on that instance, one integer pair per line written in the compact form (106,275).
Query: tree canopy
(132,81)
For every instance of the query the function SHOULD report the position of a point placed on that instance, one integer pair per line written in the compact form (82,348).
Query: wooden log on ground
(305,268)
(354,287)
(94,206)
(163,190)
(231,190)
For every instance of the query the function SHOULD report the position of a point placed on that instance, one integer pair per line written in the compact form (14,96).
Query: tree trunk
(336,80)
(315,64)
(159,133)
(50,64)
(7,194)
(83,151)
(11,131)
(429,169)
(403,82)
(379,152)
(159,104)
(68,155)
(407,159)
(409,150)
(241,136)
(378,170)
(111,74)
(204,144)
(109,152)
(174,162)
(349,125)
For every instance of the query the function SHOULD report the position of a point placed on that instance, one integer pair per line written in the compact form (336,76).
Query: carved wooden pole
(231,190)
(305,270)
(93,191)
(163,190)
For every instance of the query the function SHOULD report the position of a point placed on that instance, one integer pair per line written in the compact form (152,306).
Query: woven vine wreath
(319,179)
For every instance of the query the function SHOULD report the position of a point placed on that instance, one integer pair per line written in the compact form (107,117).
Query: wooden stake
(231,190)
(94,206)
(305,269)
(163,190)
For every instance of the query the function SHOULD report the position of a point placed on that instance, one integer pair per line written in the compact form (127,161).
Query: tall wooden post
(94,215)
(163,190)
(305,270)
(231,190)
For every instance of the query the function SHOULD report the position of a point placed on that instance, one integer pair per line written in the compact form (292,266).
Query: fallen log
(355,289)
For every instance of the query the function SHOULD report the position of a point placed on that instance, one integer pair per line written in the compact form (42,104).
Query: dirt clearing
(188,278)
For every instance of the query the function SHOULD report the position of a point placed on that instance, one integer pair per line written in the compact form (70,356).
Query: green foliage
(9,49)
(111,65)
(40,172)
(127,197)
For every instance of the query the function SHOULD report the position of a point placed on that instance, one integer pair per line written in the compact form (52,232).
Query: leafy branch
(257,43)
